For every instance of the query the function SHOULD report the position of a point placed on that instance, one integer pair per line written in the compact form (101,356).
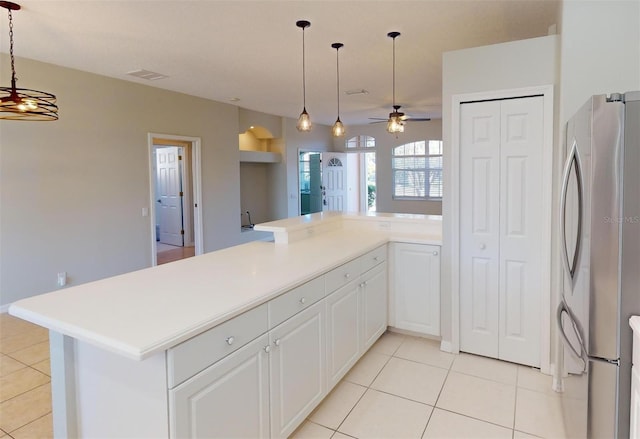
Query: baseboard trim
(446,346)
(4,308)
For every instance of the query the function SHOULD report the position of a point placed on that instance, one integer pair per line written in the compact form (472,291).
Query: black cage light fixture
(338,127)
(23,103)
(304,122)
(395,124)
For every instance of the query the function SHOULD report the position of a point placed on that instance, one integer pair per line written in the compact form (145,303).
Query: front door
(169,195)
(334,181)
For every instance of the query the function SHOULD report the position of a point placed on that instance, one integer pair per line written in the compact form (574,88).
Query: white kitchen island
(124,349)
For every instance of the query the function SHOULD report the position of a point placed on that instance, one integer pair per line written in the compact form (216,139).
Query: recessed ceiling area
(252,51)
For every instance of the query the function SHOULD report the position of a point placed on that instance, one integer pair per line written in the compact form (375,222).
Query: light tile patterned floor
(25,383)
(404,387)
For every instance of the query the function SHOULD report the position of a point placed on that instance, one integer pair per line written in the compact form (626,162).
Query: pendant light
(395,124)
(338,127)
(22,103)
(304,122)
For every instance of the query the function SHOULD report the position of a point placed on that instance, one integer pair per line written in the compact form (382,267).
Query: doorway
(175,189)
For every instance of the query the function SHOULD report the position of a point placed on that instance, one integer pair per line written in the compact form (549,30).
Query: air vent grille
(147,74)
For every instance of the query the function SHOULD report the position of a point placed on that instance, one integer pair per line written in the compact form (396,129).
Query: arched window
(334,161)
(417,170)
(360,142)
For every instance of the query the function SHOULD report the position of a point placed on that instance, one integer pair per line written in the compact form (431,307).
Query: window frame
(426,170)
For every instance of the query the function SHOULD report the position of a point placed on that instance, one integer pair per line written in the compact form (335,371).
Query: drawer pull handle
(267,349)
(347,276)
(435,253)
(303,301)
(230,340)
(277,342)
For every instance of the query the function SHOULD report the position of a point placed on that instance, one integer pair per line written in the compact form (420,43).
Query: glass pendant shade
(338,128)
(304,121)
(23,103)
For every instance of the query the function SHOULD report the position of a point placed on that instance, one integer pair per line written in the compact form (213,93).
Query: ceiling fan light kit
(22,103)
(338,128)
(304,121)
(395,124)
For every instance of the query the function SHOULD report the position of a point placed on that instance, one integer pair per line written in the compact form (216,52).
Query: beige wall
(600,50)
(72,191)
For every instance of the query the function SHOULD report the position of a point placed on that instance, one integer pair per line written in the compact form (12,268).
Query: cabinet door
(416,284)
(297,369)
(343,331)
(227,400)
(374,292)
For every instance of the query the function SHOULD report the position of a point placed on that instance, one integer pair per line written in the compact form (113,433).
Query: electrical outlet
(62,278)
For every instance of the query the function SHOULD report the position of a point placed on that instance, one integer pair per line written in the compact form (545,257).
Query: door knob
(435,253)
(303,301)
(267,349)
(482,246)
(230,340)
(277,342)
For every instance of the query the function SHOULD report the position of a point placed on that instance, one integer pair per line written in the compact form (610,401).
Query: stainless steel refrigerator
(600,239)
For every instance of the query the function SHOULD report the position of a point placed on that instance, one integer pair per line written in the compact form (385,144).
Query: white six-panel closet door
(500,228)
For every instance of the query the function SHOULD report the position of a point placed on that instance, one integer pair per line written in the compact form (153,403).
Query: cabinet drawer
(373,258)
(342,275)
(199,352)
(294,301)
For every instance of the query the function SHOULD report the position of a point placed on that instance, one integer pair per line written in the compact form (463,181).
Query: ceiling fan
(398,114)
(395,123)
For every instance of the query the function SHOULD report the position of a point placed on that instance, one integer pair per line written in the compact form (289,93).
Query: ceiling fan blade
(416,119)
(377,121)
(379,118)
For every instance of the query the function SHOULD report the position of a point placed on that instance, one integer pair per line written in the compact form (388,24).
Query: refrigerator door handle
(577,329)
(573,159)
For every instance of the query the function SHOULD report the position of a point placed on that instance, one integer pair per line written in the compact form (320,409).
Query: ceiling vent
(359,91)
(147,74)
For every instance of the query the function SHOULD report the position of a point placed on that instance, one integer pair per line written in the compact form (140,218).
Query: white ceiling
(252,50)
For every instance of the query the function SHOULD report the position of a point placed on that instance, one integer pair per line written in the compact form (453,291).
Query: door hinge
(182,232)
(181,194)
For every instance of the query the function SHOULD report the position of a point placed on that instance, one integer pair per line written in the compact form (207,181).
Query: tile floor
(404,387)
(25,384)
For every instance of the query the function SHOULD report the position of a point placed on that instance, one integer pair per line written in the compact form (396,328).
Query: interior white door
(169,201)
(520,229)
(334,181)
(479,227)
(500,228)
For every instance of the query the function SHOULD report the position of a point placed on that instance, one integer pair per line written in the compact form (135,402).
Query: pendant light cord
(338,76)
(13,66)
(304,86)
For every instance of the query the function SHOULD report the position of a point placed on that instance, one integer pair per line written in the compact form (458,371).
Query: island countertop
(141,313)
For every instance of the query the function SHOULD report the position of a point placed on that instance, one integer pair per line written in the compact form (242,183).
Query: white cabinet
(344,344)
(502,265)
(374,292)
(297,369)
(416,288)
(222,385)
(229,399)
(356,312)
